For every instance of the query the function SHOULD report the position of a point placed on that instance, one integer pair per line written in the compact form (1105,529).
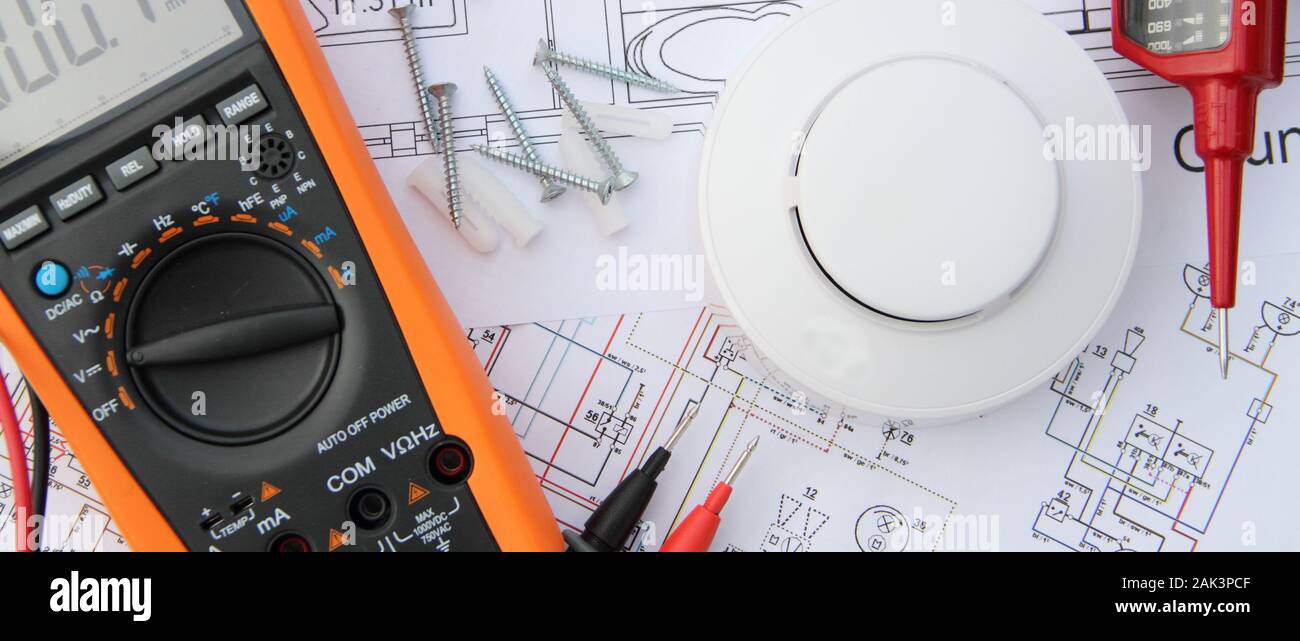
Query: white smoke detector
(882,215)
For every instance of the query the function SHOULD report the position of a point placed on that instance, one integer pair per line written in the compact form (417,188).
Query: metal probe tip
(740,462)
(687,418)
(1223,341)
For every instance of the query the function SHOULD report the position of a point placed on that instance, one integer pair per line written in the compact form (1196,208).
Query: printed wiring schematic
(1135,445)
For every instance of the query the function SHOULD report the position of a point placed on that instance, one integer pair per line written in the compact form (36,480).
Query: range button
(244,105)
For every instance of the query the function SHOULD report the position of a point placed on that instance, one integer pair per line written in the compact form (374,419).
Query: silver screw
(546,54)
(604,189)
(551,189)
(403,15)
(443,92)
(622,177)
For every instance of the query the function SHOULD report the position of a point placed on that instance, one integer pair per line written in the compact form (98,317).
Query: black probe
(608,528)
(40,462)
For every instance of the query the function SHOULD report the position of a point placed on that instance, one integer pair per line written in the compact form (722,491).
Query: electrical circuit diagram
(1148,472)
(1152,439)
(590,399)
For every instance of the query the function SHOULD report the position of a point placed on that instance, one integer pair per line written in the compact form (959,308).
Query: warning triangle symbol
(268,491)
(337,539)
(415,493)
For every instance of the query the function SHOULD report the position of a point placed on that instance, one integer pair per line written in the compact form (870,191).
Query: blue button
(52,279)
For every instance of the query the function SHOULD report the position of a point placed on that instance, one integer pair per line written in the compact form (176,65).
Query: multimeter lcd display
(62,64)
(1178,26)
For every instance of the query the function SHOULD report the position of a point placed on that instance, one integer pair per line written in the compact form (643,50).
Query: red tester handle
(696,531)
(1225,83)
(1225,137)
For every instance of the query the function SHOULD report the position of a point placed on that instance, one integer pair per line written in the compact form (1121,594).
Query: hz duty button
(132,168)
(76,198)
(22,228)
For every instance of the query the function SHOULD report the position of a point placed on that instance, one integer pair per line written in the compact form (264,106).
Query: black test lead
(608,528)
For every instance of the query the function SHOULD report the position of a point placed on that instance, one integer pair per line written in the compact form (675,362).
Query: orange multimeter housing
(204,279)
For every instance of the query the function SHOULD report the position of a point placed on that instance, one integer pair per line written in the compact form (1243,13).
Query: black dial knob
(232,338)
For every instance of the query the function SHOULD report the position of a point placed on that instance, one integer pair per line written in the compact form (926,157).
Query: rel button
(132,168)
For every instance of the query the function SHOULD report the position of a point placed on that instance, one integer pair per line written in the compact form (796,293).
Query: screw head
(606,191)
(543,54)
(443,90)
(552,191)
(402,12)
(624,180)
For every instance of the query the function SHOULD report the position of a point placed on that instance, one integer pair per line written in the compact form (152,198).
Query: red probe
(1224,52)
(22,507)
(696,532)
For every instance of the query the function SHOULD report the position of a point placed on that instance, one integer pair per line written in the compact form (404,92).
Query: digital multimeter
(245,350)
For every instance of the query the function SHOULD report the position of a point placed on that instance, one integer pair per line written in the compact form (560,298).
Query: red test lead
(1225,52)
(696,533)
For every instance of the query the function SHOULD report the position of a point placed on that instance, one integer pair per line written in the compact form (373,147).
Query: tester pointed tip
(687,418)
(1224,355)
(745,454)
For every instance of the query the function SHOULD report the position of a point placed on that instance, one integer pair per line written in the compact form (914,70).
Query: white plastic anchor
(579,158)
(476,226)
(624,121)
(492,196)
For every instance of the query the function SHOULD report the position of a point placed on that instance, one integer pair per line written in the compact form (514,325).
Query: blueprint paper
(695,44)
(555,276)
(1135,445)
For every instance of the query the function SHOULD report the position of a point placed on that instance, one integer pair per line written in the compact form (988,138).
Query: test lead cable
(696,532)
(17,467)
(40,463)
(609,526)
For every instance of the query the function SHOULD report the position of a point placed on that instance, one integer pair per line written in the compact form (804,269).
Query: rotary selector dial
(232,338)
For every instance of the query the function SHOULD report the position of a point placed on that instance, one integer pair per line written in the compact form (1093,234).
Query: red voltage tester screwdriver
(696,532)
(1224,52)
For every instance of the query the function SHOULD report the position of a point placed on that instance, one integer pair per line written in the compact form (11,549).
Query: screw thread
(542,169)
(517,126)
(600,69)
(584,121)
(417,72)
(450,170)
